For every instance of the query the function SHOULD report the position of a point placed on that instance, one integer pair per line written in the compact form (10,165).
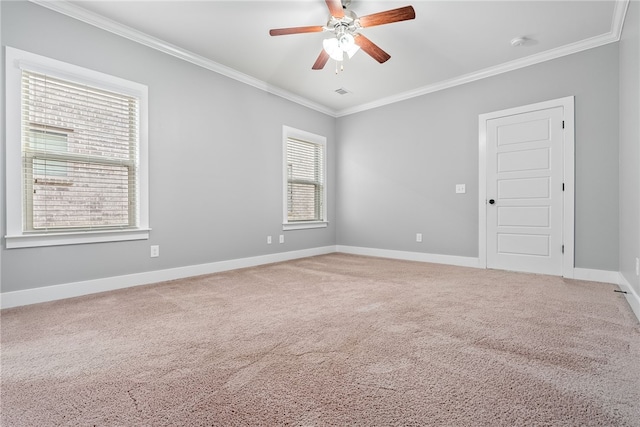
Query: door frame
(568,196)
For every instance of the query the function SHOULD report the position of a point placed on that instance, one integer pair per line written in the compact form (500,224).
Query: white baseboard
(590,275)
(70,290)
(632,296)
(76,289)
(411,256)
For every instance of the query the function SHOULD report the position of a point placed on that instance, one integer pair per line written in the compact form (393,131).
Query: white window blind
(79,156)
(305,181)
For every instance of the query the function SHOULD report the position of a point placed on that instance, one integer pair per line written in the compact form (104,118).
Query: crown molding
(91,18)
(619,15)
(81,14)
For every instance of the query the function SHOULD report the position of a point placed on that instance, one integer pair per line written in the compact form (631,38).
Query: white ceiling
(449,42)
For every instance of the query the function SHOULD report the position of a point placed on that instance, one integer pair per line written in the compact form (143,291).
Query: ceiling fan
(346,26)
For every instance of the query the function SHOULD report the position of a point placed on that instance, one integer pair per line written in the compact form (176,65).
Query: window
(79,138)
(304,179)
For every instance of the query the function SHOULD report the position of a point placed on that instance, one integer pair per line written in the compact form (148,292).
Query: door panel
(524,179)
(537,159)
(516,133)
(523,244)
(523,188)
(532,216)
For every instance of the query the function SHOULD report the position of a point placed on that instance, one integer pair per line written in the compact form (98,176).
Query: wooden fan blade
(387,17)
(335,8)
(371,49)
(321,61)
(295,30)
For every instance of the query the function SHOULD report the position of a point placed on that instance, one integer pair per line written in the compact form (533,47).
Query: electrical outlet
(637,266)
(461,188)
(419,237)
(268,240)
(282,238)
(155,251)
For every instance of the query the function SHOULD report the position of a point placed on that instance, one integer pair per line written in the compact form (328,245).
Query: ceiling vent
(342,91)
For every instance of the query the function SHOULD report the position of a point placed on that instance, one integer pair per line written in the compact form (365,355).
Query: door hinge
(562,248)
(563,186)
(563,124)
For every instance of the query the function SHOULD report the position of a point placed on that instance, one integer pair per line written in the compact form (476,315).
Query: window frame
(293,133)
(16,236)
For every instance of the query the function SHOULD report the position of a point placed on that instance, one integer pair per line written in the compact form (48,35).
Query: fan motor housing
(349,23)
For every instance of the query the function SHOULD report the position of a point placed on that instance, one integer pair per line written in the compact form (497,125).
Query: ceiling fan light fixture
(352,50)
(342,43)
(332,47)
(348,44)
(345,41)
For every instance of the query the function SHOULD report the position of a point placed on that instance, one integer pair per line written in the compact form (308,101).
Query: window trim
(290,132)
(15,61)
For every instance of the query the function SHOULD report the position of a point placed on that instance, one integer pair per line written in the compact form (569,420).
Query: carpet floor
(333,340)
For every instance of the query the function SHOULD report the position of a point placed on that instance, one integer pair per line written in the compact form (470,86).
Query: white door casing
(526,158)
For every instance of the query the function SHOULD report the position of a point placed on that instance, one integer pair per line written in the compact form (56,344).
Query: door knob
(491,201)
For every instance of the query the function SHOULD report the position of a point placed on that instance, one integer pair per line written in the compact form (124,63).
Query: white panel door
(524,192)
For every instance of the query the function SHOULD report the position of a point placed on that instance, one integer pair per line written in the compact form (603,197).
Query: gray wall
(215,159)
(398,164)
(630,145)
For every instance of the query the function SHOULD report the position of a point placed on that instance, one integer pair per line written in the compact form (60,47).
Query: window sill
(304,225)
(74,238)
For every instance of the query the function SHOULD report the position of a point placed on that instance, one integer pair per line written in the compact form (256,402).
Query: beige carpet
(331,340)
